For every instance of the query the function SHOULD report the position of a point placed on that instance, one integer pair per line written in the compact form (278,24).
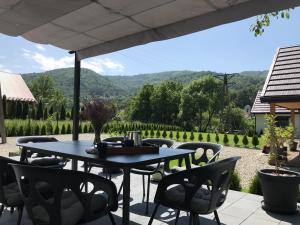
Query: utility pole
(2,125)
(225,79)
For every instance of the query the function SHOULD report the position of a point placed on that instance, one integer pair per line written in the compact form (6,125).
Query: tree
(217,138)
(200,137)
(165,101)
(43,130)
(45,113)
(39,112)
(234,118)
(21,131)
(225,139)
(177,135)
(236,139)
(19,110)
(171,135)
(56,129)
(32,113)
(25,111)
(245,140)
(140,107)
(263,21)
(164,134)
(63,129)
(184,136)
(146,133)
(37,130)
(51,111)
(152,133)
(192,136)
(255,141)
(208,137)
(62,113)
(69,130)
(157,134)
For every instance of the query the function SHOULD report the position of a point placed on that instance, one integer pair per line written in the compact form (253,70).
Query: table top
(77,150)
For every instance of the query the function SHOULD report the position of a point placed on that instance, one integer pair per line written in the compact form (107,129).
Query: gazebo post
(272,108)
(293,117)
(76,106)
(2,125)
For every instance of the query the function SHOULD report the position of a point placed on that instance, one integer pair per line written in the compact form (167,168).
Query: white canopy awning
(94,27)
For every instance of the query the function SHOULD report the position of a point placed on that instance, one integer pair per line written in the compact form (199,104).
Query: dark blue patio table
(76,150)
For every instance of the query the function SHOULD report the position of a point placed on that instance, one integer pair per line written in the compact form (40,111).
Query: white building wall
(261,123)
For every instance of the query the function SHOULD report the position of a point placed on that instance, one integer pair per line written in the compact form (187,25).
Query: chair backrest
(205,146)
(159,141)
(7,176)
(33,139)
(114,139)
(58,181)
(215,176)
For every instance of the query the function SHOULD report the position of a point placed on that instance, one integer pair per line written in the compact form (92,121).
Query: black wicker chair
(10,195)
(199,190)
(149,170)
(203,159)
(67,205)
(41,159)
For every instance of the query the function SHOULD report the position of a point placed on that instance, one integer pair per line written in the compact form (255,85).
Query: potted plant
(280,187)
(99,111)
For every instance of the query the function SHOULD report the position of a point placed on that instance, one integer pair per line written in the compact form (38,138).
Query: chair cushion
(72,210)
(47,161)
(12,194)
(199,204)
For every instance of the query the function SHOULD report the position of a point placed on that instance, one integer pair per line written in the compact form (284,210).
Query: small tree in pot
(280,187)
(99,111)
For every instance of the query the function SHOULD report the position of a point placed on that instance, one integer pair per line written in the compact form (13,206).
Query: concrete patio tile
(261,214)
(253,197)
(229,220)
(257,221)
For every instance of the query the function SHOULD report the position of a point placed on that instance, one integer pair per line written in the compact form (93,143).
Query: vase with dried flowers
(99,111)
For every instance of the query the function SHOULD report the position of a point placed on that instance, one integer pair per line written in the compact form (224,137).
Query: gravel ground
(251,160)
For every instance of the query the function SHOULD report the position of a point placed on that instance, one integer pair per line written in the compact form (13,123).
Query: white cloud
(50,63)
(4,69)
(40,47)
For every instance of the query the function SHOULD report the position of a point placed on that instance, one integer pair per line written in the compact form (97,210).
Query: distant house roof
(283,81)
(14,87)
(263,108)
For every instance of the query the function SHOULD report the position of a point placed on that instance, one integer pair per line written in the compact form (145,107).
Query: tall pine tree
(39,112)
(62,113)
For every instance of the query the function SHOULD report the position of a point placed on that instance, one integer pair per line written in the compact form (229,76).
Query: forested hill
(94,84)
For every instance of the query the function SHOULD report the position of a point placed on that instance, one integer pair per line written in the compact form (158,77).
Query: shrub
(208,137)
(177,135)
(200,137)
(217,138)
(146,133)
(56,129)
(91,130)
(85,128)
(157,134)
(255,141)
(245,140)
(13,131)
(171,135)
(63,129)
(225,139)
(151,133)
(69,130)
(43,130)
(236,139)
(255,186)
(184,136)
(37,130)
(164,134)
(80,128)
(235,182)
(28,130)
(192,136)
(21,131)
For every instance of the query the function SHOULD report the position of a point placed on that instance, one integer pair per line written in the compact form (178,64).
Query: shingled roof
(263,108)
(283,81)
(14,87)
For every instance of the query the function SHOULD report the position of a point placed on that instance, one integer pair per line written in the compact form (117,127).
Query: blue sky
(227,48)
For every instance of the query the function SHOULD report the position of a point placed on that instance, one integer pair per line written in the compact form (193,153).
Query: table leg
(74,164)
(23,155)
(187,162)
(126,195)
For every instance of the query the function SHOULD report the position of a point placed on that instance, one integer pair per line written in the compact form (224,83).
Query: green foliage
(171,135)
(225,139)
(45,113)
(151,133)
(4,100)
(62,113)
(21,131)
(184,136)
(255,141)
(236,139)
(233,118)
(208,137)
(200,137)
(56,129)
(39,112)
(177,135)
(235,182)
(192,137)
(69,130)
(37,130)
(28,129)
(85,128)
(44,130)
(164,134)
(63,129)
(255,186)
(217,138)
(146,133)
(263,21)
(245,140)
